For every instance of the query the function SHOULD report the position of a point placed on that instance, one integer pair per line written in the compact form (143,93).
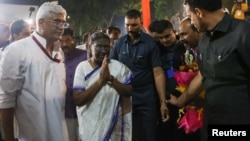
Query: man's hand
(172,100)
(164,112)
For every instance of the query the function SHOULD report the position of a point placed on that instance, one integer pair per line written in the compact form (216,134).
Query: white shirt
(35,86)
(82,47)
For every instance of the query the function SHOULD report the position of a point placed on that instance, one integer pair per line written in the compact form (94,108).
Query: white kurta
(35,86)
(96,117)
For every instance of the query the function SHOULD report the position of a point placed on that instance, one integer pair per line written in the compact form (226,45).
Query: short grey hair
(48,8)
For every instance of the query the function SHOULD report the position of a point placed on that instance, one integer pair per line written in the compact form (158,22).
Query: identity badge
(170,73)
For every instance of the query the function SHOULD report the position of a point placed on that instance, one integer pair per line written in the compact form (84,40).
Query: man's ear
(40,22)
(141,22)
(199,13)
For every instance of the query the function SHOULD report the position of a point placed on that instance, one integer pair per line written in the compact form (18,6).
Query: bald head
(188,33)
(186,22)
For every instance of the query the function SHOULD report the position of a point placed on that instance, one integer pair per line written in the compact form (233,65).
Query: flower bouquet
(192,116)
(191,121)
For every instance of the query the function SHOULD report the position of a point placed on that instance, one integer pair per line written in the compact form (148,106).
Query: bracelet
(99,82)
(162,101)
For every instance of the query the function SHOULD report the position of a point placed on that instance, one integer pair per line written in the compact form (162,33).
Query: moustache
(134,33)
(64,47)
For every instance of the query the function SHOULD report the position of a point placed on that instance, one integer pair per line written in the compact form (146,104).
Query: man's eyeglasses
(60,23)
(106,48)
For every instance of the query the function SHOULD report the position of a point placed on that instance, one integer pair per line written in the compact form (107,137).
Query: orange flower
(191,120)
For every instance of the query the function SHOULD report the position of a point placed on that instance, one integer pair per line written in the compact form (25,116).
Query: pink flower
(184,78)
(191,120)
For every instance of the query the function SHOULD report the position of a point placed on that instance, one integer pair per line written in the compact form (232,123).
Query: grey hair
(48,8)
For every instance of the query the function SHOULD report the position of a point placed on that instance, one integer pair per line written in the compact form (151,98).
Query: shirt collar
(40,39)
(223,25)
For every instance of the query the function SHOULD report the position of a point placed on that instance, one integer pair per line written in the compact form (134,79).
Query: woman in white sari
(102,93)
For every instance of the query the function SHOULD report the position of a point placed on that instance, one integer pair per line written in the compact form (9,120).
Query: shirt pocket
(125,59)
(140,61)
(225,65)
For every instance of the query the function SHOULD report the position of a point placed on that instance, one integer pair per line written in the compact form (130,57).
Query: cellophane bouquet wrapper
(192,118)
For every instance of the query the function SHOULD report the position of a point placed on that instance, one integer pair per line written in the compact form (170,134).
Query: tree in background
(86,15)
(165,8)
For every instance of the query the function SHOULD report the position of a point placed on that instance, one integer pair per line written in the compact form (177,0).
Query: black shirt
(172,58)
(224,62)
(141,57)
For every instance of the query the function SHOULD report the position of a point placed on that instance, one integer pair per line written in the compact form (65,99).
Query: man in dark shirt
(190,37)
(172,57)
(223,60)
(140,53)
(73,56)
(114,33)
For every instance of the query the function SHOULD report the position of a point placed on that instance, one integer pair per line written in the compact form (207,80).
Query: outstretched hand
(172,100)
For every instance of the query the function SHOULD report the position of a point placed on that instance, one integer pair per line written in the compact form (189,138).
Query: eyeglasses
(66,41)
(60,23)
(106,48)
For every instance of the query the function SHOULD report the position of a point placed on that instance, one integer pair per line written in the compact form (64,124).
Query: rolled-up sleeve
(11,78)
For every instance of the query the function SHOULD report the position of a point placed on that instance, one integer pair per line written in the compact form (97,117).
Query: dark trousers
(144,122)
(169,131)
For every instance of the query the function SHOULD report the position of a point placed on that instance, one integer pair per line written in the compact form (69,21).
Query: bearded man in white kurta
(33,81)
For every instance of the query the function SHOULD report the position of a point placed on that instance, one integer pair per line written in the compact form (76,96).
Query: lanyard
(44,50)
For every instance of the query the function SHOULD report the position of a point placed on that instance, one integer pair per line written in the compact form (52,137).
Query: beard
(65,47)
(134,34)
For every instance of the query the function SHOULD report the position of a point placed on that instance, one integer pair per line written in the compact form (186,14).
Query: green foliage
(159,8)
(165,8)
(86,15)
(228,4)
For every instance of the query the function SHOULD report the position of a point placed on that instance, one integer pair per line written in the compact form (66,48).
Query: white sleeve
(79,78)
(11,78)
